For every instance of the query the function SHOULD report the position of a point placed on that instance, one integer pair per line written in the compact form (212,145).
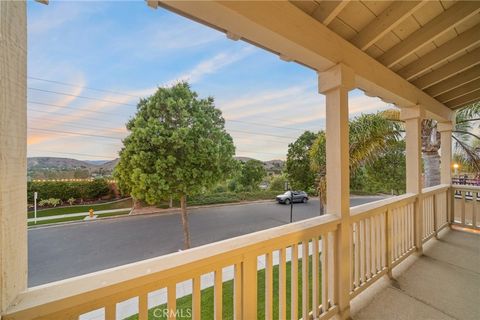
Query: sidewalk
(80,214)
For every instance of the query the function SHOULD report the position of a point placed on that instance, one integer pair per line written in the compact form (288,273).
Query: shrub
(64,190)
(43,202)
(71,201)
(54,202)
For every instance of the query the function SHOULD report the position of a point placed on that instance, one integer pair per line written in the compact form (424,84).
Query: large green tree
(177,146)
(298,162)
(252,174)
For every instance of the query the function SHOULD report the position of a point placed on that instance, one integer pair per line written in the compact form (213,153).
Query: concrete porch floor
(443,283)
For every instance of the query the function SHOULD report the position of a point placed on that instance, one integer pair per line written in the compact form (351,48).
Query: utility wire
(83,97)
(84,87)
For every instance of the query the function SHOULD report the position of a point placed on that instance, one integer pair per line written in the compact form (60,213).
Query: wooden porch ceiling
(405,52)
(432,44)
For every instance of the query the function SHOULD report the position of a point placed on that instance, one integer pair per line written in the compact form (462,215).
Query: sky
(90,62)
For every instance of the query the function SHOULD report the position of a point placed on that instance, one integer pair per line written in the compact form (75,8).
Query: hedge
(64,190)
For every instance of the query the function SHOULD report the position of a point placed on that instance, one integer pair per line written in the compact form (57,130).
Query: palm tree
(369,135)
(465,142)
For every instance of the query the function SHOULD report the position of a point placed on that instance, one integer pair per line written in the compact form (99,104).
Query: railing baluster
(269,286)
(363,252)
(435,217)
(172,301)
(394,234)
(357,254)
(249,287)
(474,209)
(404,230)
(372,246)
(383,249)
(324,258)
(143,306)
(388,241)
(315,271)
(111,311)
(294,281)
(196,298)
(379,239)
(305,280)
(217,295)
(368,249)
(462,210)
(282,284)
(237,296)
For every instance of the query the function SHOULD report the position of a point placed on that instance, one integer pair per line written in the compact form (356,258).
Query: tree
(252,174)
(462,135)
(177,146)
(298,162)
(370,135)
(278,183)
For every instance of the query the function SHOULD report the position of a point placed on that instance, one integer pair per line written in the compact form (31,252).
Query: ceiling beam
(454,82)
(385,22)
(463,41)
(281,27)
(447,20)
(450,69)
(459,91)
(464,100)
(328,10)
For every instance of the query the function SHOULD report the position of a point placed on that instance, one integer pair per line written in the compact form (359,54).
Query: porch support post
(413,127)
(335,84)
(13,148)
(445,129)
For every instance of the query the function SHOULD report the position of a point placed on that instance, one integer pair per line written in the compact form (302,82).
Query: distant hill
(67,168)
(275,166)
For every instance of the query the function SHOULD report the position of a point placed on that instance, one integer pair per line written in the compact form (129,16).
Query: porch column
(445,129)
(335,84)
(413,127)
(13,148)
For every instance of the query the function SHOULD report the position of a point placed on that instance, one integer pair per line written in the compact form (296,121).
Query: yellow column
(445,129)
(335,84)
(413,127)
(13,148)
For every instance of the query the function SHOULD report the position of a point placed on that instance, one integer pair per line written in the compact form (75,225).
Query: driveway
(60,252)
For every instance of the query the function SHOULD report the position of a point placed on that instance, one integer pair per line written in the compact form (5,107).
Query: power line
(72,108)
(72,153)
(75,133)
(82,97)
(84,87)
(82,127)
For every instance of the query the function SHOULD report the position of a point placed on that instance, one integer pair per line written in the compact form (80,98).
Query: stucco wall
(13,147)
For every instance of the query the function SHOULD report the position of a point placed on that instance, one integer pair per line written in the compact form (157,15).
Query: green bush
(64,190)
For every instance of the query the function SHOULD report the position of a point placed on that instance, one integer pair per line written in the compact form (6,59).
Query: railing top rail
(465,187)
(364,209)
(435,189)
(70,293)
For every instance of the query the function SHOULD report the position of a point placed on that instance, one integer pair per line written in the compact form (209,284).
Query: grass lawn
(126,203)
(52,221)
(184,304)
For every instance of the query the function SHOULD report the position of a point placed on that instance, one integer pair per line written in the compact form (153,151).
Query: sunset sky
(90,62)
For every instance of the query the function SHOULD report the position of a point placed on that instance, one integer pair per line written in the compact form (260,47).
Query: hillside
(66,168)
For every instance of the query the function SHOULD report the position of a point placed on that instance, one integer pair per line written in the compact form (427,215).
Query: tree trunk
(431,164)
(170,205)
(186,229)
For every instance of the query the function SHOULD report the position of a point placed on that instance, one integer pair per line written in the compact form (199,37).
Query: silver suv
(292,196)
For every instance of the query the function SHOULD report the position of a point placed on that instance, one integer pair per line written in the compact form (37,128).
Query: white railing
(465,206)
(435,208)
(382,234)
(307,244)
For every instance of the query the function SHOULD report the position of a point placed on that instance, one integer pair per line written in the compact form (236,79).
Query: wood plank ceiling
(435,45)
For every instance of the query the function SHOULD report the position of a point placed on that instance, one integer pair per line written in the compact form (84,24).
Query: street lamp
(455,168)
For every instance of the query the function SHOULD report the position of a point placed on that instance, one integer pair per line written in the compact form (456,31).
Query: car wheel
(287,201)
(304,200)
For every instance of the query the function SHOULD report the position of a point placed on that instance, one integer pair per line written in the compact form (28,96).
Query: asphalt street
(60,252)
